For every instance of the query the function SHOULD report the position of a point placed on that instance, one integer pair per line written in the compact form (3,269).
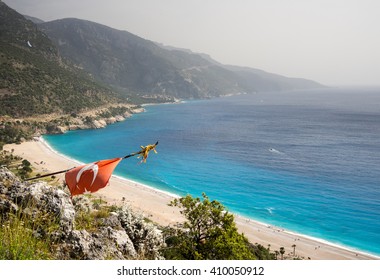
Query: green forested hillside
(71,65)
(33,77)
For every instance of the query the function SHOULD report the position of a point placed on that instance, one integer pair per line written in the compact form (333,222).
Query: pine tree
(209,232)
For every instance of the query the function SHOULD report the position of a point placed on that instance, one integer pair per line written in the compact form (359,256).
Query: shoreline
(153,204)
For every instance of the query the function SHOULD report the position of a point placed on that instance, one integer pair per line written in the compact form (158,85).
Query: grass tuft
(19,240)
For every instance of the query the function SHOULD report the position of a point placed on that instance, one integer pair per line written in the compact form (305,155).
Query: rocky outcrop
(93,119)
(98,124)
(146,237)
(120,234)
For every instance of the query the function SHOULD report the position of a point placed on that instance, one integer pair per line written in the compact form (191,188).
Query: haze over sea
(306,161)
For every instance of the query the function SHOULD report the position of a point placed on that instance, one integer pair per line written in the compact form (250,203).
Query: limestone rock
(99,124)
(118,235)
(146,238)
(119,118)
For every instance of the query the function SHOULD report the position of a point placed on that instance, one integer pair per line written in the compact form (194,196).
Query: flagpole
(49,174)
(143,150)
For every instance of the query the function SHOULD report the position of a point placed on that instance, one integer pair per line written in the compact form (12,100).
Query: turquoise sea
(307,161)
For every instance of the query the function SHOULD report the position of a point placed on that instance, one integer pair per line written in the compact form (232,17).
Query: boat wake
(274,151)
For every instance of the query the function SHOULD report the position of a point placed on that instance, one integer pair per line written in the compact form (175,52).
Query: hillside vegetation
(34,78)
(68,66)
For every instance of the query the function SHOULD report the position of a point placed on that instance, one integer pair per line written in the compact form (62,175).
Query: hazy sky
(335,42)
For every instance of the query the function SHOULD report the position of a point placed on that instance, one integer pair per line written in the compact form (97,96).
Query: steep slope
(126,61)
(130,63)
(33,78)
(250,79)
(70,65)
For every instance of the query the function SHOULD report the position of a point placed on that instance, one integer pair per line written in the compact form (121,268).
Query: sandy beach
(154,205)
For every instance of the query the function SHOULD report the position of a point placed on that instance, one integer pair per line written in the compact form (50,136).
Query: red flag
(90,177)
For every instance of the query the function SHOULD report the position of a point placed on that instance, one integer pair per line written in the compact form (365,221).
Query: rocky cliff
(78,228)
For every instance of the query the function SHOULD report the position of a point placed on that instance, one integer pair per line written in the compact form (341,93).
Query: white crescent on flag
(92,166)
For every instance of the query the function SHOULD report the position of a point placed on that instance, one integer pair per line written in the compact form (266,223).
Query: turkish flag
(91,177)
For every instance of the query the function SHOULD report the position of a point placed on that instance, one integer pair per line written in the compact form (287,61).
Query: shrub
(209,232)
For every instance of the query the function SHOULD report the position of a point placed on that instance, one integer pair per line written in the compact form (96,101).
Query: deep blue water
(307,161)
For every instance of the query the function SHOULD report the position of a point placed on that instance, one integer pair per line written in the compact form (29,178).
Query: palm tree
(282,252)
(294,250)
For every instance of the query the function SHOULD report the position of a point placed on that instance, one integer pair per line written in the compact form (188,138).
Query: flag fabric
(91,177)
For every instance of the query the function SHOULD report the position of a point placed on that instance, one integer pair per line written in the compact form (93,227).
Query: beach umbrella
(89,178)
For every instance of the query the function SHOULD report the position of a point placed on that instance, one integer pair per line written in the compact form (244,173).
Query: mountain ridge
(130,63)
(69,65)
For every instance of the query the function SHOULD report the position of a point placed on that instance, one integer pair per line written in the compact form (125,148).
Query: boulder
(99,124)
(146,238)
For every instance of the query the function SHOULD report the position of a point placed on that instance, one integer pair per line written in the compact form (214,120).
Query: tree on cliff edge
(209,232)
